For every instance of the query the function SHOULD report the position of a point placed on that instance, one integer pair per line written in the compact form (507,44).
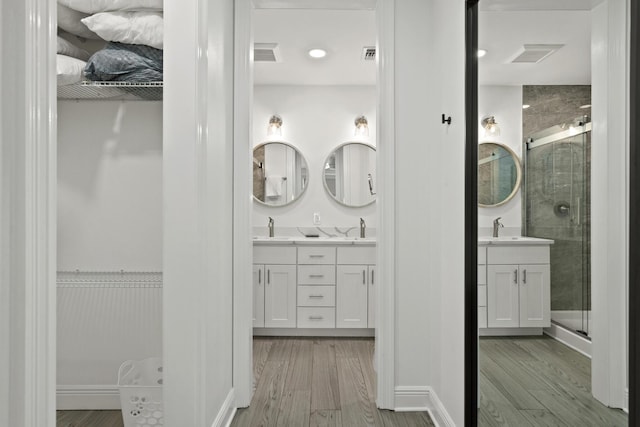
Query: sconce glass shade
(273,130)
(362,127)
(491,128)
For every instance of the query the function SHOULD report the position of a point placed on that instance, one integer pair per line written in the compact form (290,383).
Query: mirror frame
(262,144)
(324,182)
(516,187)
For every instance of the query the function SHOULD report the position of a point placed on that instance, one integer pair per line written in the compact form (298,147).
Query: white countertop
(513,241)
(287,240)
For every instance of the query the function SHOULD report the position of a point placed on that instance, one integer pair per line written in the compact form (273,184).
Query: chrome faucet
(362,227)
(270,227)
(496,226)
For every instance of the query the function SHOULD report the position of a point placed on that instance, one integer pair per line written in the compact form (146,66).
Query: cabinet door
(502,296)
(280,296)
(351,296)
(371,300)
(534,296)
(258,296)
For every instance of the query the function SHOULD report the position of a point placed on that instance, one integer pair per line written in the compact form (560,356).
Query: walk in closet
(109,213)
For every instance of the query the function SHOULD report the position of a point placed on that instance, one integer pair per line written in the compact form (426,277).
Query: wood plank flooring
(537,381)
(89,419)
(318,382)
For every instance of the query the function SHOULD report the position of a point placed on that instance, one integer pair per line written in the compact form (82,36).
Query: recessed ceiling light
(317,53)
(525,106)
(585,106)
(481,53)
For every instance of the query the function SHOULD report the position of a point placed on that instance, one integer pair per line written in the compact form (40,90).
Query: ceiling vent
(369,53)
(266,52)
(534,53)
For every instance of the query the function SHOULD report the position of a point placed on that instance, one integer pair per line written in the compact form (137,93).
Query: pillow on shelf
(65,47)
(144,28)
(95,6)
(69,70)
(69,20)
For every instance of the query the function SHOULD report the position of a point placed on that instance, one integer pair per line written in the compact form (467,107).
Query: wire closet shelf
(110,90)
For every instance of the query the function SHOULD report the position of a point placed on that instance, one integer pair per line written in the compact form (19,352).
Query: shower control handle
(515,276)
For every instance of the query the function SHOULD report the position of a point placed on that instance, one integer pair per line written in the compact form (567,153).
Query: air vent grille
(266,52)
(534,53)
(369,53)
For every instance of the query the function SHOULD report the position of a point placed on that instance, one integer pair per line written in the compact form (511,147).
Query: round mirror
(280,173)
(499,174)
(350,174)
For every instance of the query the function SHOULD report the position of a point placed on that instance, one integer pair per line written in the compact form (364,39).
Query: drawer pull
(524,277)
(364,277)
(316,296)
(259,276)
(316,317)
(316,256)
(515,276)
(316,276)
(372,276)
(268,277)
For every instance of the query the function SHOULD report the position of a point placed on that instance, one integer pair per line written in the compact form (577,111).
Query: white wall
(110,186)
(430,200)
(505,103)
(316,119)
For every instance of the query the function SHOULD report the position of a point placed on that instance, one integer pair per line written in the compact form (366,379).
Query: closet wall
(109,245)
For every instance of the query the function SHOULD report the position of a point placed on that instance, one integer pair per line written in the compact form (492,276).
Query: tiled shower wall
(560,173)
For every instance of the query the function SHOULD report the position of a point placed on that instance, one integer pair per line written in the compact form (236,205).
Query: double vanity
(513,285)
(314,286)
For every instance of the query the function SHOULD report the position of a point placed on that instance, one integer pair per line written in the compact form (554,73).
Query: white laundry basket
(140,384)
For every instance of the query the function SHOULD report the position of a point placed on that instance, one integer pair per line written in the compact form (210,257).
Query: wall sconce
(273,130)
(362,127)
(490,126)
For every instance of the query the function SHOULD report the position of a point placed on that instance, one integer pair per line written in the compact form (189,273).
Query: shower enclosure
(557,165)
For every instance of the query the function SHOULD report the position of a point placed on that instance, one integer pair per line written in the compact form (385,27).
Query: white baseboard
(422,398)
(103,396)
(227,411)
(314,332)
(509,332)
(570,339)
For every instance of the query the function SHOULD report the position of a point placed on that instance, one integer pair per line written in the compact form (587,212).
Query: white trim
(625,408)
(227,411)
(570,339)
(28,203)
(386,218)
(508,332)
(242,247)
(422,398)
(94,397)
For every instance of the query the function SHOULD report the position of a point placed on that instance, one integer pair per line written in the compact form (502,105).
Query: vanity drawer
(357,255)
(274,255)
(316,274)
(316,317)
(316,255)
(317,296)
(518,255)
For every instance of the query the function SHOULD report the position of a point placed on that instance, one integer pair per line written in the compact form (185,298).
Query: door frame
(609,390)
(385,248)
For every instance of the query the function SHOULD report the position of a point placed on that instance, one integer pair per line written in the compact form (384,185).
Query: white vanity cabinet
(274,286)
(355,278)
(518,286)
(482,286)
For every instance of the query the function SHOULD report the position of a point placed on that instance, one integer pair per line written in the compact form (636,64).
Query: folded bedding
(69,70)
(144,28)
(95,6)
(65,47)
(125,62)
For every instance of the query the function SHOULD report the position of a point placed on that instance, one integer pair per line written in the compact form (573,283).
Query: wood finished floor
(316,382)
(537,381)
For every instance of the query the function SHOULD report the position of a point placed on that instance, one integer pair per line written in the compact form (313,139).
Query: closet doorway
(310,90)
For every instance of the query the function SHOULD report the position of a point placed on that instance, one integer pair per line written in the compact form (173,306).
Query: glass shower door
(557,206)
